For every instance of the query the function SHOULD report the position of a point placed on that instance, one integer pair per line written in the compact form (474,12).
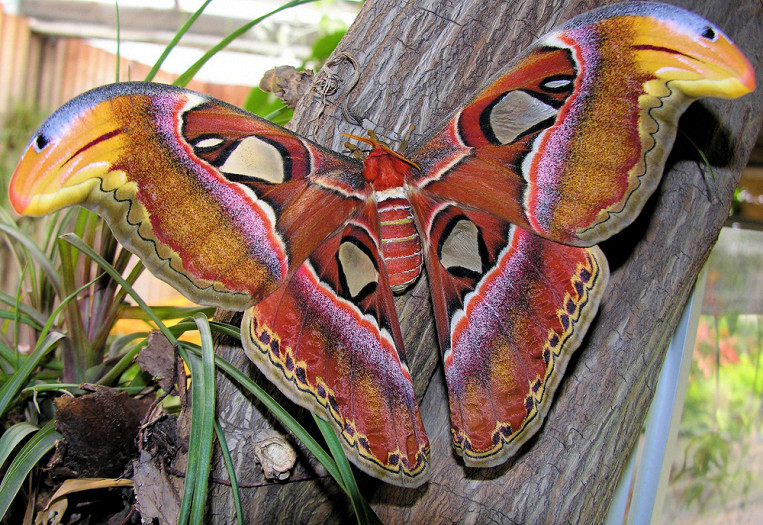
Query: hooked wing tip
(38,186)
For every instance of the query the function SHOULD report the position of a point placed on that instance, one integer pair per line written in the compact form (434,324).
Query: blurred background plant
(717,474)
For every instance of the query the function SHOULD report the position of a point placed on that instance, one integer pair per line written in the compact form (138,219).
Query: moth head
(383,167)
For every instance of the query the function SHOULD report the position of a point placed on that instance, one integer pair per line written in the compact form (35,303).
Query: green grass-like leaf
(119,344)
(166,312)
(78,243)
(12,437)
(701,153)
(231,472)
(45,344)
(279,412)
(81,348)
(187,75)
(20,319)
(119,40)
(34,318)
(344,479)
(202,427)
(175,40)
(363,512)
(39,257)
(125,362)
(30,454)
(11,359)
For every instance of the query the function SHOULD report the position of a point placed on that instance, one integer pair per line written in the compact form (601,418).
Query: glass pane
(717,474)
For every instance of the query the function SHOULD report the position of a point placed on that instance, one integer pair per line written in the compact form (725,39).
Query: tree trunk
(418,62)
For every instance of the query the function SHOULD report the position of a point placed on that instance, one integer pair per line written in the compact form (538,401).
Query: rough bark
(418,62)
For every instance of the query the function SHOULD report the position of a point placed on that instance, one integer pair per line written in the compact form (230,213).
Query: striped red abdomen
(401,246)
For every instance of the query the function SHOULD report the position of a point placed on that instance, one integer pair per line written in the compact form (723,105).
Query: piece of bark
(419,62)
(99,432)
(157,494)
(158,359)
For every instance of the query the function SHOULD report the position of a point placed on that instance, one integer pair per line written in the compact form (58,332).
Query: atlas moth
(502,206)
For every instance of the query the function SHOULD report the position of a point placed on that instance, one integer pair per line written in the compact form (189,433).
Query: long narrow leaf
(17,312)
(701,152)
(108,268)
(25,309)
(202,428)
(21,318)
(207,422)
(186,76)
(87,250)
(117,304)
(174,42)
(57,224)
(9,390)
(119,41)
(64,388)
(231,472)
(345,479)
(11,359)
(22,464)
(192,465)
(18,250)
(74,486)
(222,328)
(45,264)
(12,437)
(167,312)
(279,412)
(363,512)
(73,316)
(125,362)
(123,341)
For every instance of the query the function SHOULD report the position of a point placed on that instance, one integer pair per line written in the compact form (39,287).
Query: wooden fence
(45,71)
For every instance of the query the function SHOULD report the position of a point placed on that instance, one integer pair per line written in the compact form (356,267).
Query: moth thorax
(401,246)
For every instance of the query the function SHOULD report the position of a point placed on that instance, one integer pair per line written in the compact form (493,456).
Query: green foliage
(185,77)
(324,46)
(74,285)
(202,427)
(267,105)
(64,310)
(725,397)
(722,412)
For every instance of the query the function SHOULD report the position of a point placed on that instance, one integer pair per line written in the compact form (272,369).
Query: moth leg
(355,151)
